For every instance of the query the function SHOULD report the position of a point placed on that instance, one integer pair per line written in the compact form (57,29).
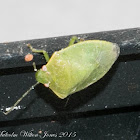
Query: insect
(75,67)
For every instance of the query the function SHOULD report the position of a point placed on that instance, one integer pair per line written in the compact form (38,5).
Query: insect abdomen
(80,65)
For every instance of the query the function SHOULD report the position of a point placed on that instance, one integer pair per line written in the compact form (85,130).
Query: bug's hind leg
(39,51)
(73,39)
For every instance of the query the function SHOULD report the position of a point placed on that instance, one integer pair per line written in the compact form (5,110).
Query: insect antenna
(17,102)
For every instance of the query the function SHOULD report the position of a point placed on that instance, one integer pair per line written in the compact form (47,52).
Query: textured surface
(119,88)
(115,124)
(12,53)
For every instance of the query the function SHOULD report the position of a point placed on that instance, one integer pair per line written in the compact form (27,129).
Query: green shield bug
(75,67)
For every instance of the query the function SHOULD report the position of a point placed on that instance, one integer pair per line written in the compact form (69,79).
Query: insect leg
(73,39)
(67,101)
(34,66)
(39,51)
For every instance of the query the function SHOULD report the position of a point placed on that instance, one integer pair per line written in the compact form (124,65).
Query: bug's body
(78,66)
(75,67)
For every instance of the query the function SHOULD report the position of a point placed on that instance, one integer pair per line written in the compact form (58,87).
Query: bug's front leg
(39,51)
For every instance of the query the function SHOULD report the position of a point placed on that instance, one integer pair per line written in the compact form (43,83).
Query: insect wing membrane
(80,65)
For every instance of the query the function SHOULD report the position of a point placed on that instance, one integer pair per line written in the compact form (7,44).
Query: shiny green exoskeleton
(76,66)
